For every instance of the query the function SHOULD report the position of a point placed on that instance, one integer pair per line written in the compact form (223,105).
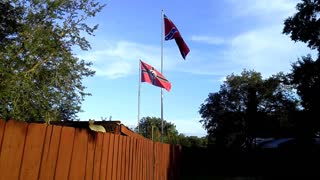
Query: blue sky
(224,37)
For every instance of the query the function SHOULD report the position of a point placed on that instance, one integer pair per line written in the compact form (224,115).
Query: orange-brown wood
(125,175)
(134,159)
(115,157)
(110,157)
(104,156)
(119,160)
(90,155)
(12,149)
(123,158)
(65,153)
(40,151)
(97,156)
(79,155)
(50,152)
(2,128)
(32,151)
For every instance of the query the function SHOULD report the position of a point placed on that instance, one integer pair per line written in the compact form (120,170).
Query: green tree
(247,106)
(304,26)
(8,21)
(39,73)
(147,125)
(184,140)
(191,141)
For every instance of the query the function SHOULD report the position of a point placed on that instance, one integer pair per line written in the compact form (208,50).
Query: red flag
(172,32)
(150,75)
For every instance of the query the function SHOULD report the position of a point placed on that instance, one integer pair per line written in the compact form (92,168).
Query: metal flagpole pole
(162,29)
(139,96)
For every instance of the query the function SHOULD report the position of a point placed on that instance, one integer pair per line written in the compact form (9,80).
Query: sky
(224,37)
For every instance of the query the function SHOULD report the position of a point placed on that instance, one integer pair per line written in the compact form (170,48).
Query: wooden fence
(39,151)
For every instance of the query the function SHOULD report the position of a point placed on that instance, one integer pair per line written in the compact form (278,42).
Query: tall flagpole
(139,95)
(162,29)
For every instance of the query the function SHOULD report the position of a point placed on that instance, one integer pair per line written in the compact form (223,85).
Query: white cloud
(119,59)
(259,44)
(263,47)
(265,50)
(265,8)
(208,39)
(114,70)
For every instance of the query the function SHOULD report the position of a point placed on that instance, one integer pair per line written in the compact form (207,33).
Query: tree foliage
(247,106)
(149,125)
(40,75)
(305,24)
(192,141)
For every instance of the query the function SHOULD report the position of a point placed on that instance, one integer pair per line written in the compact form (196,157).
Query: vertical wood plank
(104,155)
(90,155)
(110,157)
(120,157)
(79,155)
(157,168)
(115,157)
(12,149)
(124,158)
(150,165)
(139,160)
(134,159)
(32,151)
(143,157)
(65,153)
(127,156)
(2,128)
(163,162)
(50,152)
(131,144)
(97,156)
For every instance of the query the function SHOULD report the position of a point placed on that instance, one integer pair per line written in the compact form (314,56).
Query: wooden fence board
(120,157)
(131,145)
(65,153)
(115,157)
(46,152)
(150,164)
(143,156)
(2,128)
(104,155)
(110,157)
(123,158)
(78,159)
(90,155)
(139,160)
(12,150)
(97,156)
(127,161)
(50,152)
(136,163)
(134,159)
(155,166)
(32,151)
